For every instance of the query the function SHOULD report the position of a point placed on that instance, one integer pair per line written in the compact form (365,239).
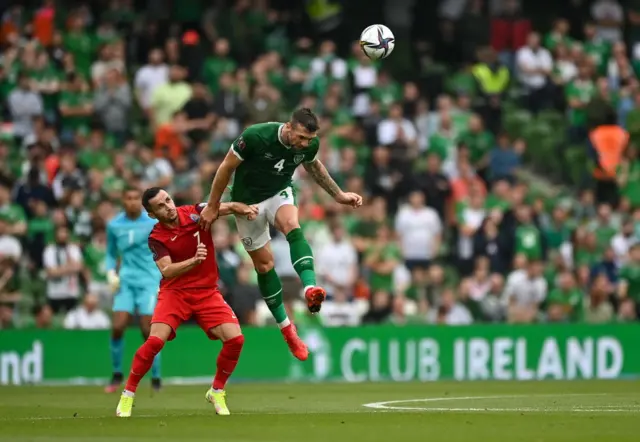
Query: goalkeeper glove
(113,280)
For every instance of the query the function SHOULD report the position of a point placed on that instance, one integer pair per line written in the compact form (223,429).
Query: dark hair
(129,188)
(148,195)
(305,117)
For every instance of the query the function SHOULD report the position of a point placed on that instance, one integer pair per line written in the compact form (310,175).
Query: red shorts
(207,307)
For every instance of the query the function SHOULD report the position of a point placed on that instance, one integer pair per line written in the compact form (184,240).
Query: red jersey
(180,243)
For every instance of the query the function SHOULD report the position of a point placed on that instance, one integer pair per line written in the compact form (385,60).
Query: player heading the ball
(264,159)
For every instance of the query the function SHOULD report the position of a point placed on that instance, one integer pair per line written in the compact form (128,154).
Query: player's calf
(142,362)
(226,364)
(116,345)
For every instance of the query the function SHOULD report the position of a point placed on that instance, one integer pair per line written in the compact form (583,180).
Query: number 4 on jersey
(279,165)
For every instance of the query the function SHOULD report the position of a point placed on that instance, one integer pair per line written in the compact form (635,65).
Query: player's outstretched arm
(238,209)
(223,176)
(220,182)
(320,175)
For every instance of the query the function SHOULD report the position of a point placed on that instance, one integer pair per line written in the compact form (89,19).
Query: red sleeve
(158,249)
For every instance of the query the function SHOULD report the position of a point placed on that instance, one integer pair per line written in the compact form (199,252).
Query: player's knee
(289,225)
(117,332)
(155,344)
(263,263)
(235,344)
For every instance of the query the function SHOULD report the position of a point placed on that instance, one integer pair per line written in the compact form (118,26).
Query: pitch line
(606,408)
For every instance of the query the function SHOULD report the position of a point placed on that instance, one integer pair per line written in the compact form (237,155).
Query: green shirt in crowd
(528,241)
(631,188)
(478,143)
(583,91)
(213,69)
(94,259)
(76,99)
(82,46)
(41,226)
(598,52)
(12,213)
(387,94)
(572,301)
(630,274)
(382,281)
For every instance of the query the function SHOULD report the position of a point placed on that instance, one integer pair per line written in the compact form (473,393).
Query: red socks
(227,361)
(143,360)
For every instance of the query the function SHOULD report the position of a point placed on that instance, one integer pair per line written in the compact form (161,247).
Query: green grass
(584,411)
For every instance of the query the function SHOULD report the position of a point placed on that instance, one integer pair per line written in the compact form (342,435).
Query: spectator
(609,19)
(534,66)
(106,62)
(24,105)
(63,264)
(621,243)
(112,103)
(87,316)
(76,106)
(44,317)
(420,232)
(340,311)
(10,255)
(382,258)
(469,220)
(525,290)
(565,302)
(199,114)
(629,287)
(337,264)
(379,309)
(149,77)
(449,311)
(68,178)
(505,158)
(168,98)
(597,308)
(93,256)
(12,213)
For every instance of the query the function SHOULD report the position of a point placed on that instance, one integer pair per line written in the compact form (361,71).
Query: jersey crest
(298,158)
(241,143)
(194,217)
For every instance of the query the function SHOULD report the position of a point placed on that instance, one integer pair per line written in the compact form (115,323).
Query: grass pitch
(584,411)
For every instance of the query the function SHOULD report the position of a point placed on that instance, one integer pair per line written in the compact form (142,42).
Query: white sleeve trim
(236,153)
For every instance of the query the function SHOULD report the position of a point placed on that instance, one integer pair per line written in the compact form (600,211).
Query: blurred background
(495,148)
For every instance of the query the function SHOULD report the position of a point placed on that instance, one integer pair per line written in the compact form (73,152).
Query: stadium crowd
(95,100)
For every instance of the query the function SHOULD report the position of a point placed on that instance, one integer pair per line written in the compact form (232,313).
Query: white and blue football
(377,42)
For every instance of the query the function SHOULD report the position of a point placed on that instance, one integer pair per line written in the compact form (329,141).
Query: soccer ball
(377,42)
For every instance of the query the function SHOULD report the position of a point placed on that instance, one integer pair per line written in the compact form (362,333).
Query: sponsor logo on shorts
(247,241)
(195,218)
(298,158)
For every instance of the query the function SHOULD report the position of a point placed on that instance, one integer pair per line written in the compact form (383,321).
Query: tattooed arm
(320,175)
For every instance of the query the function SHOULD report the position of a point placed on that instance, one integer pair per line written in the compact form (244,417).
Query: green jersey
(528,241)
(94,258)
(267,163)
(631,275)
